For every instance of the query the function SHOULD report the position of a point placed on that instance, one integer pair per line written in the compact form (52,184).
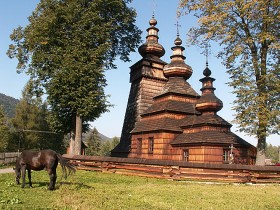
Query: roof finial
(177,25)
(207,49)
(154,8)
(206,52)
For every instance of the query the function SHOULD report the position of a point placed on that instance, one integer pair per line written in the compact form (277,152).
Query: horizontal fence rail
(8,157)
(178,170)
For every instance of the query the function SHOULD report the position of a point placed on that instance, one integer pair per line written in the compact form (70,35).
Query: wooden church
(167,119)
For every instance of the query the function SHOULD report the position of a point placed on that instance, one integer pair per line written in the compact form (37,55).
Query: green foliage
(93,142)
(9,104)
(115,142)
(5,133)
(66,48)
(8,139)
(105,149)
(32,127)
(249,33)
(108,146)
(272,152)
(98,146)
(95,190)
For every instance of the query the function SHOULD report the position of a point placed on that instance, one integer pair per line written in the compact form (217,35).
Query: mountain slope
(9,104)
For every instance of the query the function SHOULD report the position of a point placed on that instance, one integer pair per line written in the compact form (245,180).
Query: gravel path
(6,170)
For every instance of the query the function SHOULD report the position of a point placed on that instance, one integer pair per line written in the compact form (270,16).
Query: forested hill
(9,104)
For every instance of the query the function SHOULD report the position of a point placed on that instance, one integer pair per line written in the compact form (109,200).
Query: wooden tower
(160,123)
(147,80)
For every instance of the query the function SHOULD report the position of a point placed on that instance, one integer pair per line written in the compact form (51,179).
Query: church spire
(208,102)
(151,46)
(177,66)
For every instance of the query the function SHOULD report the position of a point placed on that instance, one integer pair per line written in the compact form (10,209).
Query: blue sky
(15,12)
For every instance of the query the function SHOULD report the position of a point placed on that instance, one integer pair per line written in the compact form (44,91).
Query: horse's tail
(67,167)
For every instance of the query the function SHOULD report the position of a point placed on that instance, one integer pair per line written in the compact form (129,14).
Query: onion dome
(151,46)
(177,66)
(208,101)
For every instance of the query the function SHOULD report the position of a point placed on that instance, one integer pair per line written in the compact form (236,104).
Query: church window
(226,155)
(139,146)
(186,155)
(151,145)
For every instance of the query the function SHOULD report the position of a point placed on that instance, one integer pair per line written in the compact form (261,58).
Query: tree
(66,48)
(248,32)
(94,143)
(105,148)
(115,142)
(272,152)
(32,127)
(4,131)
(108,146)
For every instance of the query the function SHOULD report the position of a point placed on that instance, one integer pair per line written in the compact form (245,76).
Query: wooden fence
(179,170)
(8,157)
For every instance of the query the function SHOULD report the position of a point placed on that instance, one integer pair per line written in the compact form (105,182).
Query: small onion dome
(153,22)
(178,41)
(207,72)
(177,67)
(151,46)
(209,102)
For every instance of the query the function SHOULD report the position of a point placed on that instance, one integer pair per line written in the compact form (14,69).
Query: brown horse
(37,161)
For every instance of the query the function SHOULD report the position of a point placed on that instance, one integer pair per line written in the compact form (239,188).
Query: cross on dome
(177,25)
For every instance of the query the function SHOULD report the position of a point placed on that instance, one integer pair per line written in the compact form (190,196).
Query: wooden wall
(199,154)
(178,170)
(161,147)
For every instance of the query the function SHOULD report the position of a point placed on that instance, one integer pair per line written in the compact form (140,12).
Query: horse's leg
(18,175)
(23,171)
(53,176)
(29,177)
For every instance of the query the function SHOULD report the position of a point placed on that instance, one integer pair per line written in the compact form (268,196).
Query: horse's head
(17,171)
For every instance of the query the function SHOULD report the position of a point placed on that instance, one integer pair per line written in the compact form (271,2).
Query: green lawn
(95,190)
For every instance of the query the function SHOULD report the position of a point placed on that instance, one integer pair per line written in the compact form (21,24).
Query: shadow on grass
(58,185)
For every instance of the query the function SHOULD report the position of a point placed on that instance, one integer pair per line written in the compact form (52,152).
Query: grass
(95,190)
(6,165)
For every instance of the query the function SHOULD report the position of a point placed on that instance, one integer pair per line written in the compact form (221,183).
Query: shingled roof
(178,85)
(162,124)
(210,137)
(171,106)
(198,120)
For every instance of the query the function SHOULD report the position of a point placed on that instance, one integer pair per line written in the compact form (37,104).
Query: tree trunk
(261,134)
(72,143)
(78,136)
(261,80)
(72,136)
(261,149)
(260,157)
